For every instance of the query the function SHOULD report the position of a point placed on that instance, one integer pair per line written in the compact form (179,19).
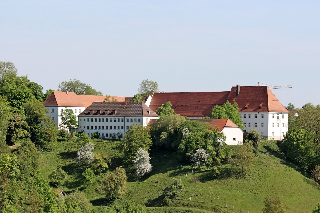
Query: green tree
(58,176)
(114,183)
(228,111)
(76,202)
(137,98)
(77,87)
(42,129)
(69,120)
(46,95)
(273,204)
(5,114)
(291,107)
(243,159)
(252,136)
(136,137)
(165,109)
(148,87)
(16,128)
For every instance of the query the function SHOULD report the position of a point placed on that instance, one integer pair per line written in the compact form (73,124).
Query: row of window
(107,135)
(262,125)
(104,127)
(75,110)
(262,116)
(111,119)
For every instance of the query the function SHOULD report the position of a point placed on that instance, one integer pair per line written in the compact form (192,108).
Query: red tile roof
(200,104)
(220,123)
(70,99)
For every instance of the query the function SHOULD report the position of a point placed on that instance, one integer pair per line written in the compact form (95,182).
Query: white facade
(110,126)
(55,113)
(273,125)
(234,135)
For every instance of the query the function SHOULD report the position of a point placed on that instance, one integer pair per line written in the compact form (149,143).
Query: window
(91,119)
(107,135)
(99,127)
(272,115)
(95,127)
(61,110)
(79,110)
(272,133)
(80,119)
(110,119)
(249,115)
(102,119)
(118,119)
(103,135)
(75,111)
(114,120)
(262,115)
(99,119)
(121,119)
(127,127)
(135,120)
(255,125)
(106,119)
(127,119)
(52,110)
(277,116)
(106,127)
(87,119)
(131,120)
(272,124)
(110,127)
(139,120)
(102,127)
(255,115)
(262,124)
(114,127)
(121,127)
(282,124)
(118,127)
(234,139)
(277,124)
(245,125)
(244,115)
(282,116)
(87,127)
(95,120)
(249,124)
(91,127)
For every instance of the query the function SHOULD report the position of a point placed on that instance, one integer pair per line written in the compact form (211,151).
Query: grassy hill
(202,192)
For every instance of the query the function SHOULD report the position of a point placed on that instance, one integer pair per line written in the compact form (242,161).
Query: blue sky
(183,45)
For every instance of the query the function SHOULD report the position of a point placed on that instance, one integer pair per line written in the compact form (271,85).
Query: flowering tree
(200,157)
(142,163)
(85,156)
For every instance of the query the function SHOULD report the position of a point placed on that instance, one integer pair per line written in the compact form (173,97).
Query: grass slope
(270,175)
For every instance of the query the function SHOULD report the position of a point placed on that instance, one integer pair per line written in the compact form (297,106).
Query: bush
(114,184)
(58,176)
(316,174)
(317,209)
(85,156)
(254,136)
(63,135)
(142,163)
(76,202)
(172,191)
(89,176)
(272,205)
(127,206)
(95,135)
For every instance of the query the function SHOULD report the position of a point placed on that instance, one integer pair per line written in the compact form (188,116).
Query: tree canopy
(228,111)
(165,109)
(69,119)
(78,87)
(147,87)
(137,98)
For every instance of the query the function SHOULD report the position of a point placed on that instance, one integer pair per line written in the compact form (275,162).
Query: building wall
(234,135)
(277,125)
(110,126)
(55,113)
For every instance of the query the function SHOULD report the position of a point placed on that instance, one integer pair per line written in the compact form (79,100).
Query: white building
(258,106)
(59,101)
(113,119)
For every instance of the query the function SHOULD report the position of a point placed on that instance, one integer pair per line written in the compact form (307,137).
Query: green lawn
(202,192)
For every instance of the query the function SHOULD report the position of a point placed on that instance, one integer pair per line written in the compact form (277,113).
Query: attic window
(113,112)
(246,106)
(260,106)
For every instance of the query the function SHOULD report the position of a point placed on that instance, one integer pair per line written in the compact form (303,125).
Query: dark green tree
(5,114)
(69,120)
(78,87)
(148,87)
(165,109)
(228,111)
(137,98)
(291,107)
(48,92)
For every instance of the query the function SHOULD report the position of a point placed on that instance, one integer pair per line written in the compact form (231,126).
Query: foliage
(69,120)
(95,135)
(77,87)
(107,99)
(42,129)
(165,109)
(172,191)
(136,137)
(9,165)
(316,209)
(76,202)
(126,206)
(298,146)
(16,128)
(200,157)
(89,176)
(228,111)
(137,98)
(85,156)
(254,136)
(100,163)
(63,135)
(163,131)
(114,183)
(5,114)
(243,159)
(58,176)
(46,95)
(148,87)
(316,174)
(273,205)
(291,107)
(142,163)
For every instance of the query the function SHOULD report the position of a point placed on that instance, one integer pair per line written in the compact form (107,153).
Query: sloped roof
(220,123)
(70,99)
(200,104)
(118,109)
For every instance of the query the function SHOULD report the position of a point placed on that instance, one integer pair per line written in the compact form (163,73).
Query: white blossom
(85,154)
(185,132)
(142,163)
(199,157)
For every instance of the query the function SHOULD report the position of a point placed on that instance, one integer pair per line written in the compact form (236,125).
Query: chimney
(238,90)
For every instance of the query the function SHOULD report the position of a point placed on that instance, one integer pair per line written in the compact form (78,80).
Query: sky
(185,46)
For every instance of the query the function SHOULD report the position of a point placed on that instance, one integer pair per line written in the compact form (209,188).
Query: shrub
(95,135)
(316,209)
(142,163)
(316,174)
(114,183)
(76,202)
(254,136)
(172,191)
(127,206)
(272,205)
(89,176)
(200,157)
(85,156)
(58,176)
(63,135)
